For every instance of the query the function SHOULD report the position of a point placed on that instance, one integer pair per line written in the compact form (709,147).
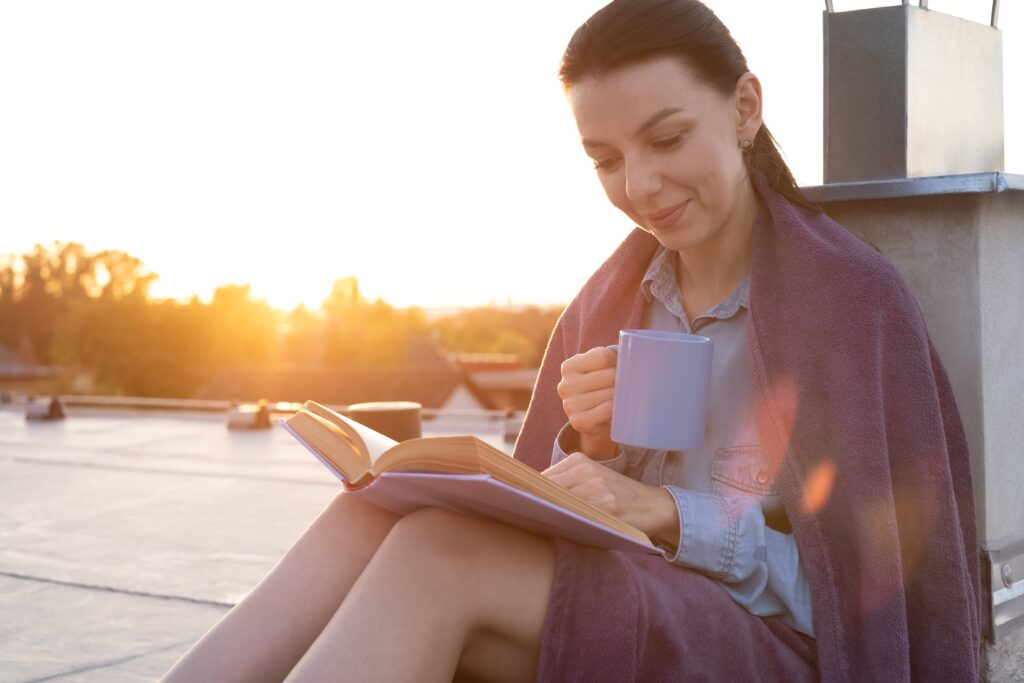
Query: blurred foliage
(372,335)
(91,314)
(40,289)
(523,331)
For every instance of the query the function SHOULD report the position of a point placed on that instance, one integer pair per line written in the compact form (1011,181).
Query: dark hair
(626,32)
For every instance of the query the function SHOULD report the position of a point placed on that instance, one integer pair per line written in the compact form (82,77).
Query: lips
(666,217)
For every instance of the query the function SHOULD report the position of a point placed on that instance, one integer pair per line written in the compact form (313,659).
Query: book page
(334,467)
(447,455)
(330,443)
(373,444)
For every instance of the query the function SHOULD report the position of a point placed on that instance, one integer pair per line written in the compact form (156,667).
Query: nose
(643,180)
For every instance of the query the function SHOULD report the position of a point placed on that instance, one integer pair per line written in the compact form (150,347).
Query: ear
(747,97)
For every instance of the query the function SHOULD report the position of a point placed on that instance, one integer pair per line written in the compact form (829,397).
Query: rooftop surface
(125,535)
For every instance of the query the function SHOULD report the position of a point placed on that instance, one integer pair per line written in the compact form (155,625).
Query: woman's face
(666,147)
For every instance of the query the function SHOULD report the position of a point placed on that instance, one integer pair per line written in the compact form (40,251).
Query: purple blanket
(855,411)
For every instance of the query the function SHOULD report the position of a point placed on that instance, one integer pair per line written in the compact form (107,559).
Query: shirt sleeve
(568,441)
(727,539)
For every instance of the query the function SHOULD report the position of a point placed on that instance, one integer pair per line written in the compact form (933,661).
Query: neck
(714,268)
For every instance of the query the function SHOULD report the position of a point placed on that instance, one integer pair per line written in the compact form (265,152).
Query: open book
(461,473)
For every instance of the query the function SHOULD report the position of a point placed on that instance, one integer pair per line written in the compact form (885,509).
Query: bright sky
(425,148)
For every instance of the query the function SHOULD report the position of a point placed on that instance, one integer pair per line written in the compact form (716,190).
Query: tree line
(91,312)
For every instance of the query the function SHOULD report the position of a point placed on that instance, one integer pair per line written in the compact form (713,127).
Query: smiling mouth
(666,218)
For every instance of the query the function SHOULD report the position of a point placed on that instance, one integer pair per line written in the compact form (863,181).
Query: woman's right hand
(587,389)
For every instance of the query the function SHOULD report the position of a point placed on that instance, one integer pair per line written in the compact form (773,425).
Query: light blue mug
(662,381)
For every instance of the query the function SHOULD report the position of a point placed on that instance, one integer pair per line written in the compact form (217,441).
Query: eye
(668,143)
(606,164)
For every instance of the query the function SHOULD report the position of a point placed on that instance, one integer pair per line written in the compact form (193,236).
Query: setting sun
(284,147)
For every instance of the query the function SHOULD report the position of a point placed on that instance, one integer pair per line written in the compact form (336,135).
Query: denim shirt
(724,491)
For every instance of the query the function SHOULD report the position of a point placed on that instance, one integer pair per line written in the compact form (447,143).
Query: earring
(746,144)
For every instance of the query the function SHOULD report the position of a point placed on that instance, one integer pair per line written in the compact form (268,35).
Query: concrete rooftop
(125,535)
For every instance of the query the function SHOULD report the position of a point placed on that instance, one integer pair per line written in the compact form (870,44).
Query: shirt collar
(660,283)
(660,275)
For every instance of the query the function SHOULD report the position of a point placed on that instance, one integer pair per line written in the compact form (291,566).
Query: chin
(676,239)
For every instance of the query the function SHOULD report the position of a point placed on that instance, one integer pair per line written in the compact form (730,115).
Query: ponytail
(764,156)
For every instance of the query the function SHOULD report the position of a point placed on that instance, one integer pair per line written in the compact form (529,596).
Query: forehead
(626,96)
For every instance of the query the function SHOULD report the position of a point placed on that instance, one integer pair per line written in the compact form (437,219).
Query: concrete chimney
(910,93)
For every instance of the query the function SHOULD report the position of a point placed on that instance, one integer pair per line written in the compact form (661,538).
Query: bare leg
(444,594)
(264,635)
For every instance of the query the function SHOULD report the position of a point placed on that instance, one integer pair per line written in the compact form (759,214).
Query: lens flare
(818,487)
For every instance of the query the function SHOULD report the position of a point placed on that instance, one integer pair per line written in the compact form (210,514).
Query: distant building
(506,389)
(19,373)
(500,377)
(429,378)
(484,362)
(432,388)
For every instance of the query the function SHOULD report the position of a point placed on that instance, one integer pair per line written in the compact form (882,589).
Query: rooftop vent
(911,92)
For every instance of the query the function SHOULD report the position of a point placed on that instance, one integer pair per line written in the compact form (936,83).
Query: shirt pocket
(742,470)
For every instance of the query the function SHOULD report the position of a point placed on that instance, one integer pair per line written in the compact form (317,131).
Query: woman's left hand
(651,509)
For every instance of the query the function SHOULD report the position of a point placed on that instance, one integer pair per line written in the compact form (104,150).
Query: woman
(849,552)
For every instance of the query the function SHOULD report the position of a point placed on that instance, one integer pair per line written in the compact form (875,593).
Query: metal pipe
(923,4)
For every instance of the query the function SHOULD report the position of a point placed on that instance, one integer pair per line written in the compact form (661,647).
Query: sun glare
(288,148)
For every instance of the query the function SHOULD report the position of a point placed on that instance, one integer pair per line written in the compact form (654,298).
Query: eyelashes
(668,143)
(662,145)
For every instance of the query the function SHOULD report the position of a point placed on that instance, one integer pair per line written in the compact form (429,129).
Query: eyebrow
(645,126)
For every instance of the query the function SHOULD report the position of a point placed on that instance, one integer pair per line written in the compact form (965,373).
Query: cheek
(717,181)
(616,193)
(715,159)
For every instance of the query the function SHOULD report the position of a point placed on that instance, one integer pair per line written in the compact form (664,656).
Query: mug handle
(614,347)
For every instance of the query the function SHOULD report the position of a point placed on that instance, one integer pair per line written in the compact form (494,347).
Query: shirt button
(762,476)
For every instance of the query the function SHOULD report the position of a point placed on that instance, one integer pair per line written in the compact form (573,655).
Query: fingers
(588,479)
(571,461)
(576,469)
(581,403)
(578,382)
(648,508)
(588,410)
(594,420)
(587,390)
(597,358)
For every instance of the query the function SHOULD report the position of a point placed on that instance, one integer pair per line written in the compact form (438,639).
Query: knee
(433,527)
(461,559)
(433,533)
(339,512)
(346,513)
(344,501)
(444,544)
